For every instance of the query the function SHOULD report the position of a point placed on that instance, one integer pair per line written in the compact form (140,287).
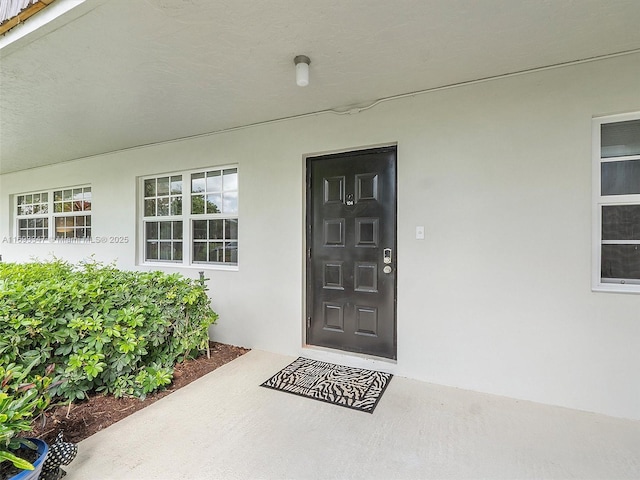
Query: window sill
(615,288)
(194,266)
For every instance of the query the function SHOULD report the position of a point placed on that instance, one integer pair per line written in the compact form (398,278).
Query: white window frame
(599,200)
(51,215)
(186,217)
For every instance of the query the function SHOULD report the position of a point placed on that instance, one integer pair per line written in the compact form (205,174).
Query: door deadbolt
(386,255)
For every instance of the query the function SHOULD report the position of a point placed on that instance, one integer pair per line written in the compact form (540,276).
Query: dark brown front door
(351,251)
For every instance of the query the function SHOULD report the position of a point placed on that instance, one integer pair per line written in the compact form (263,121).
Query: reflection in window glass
(198,183)
(207,230)
(163,196)
(73,227)
(163,240)
(620,139)
(230,203)
(72,200)
(620,178)
(230,179)
(33,228)
(215,241)
(55,214)
(214,192)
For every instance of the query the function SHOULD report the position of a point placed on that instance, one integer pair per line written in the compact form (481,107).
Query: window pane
(231,253)
(621,222)
(87,199)
(177,250)
(163,207)
(177,230)
(214,203)
(67,206)
(230,179)
(64,227)
(216,252)
(620,139)
(165,251)
(152,230)
(214,181)
(163,186)
(197,204)
(199,229)
(620,178)
(152,251)
(57,207)
(165,230)
(199,251)
(231,229)
(176,206)
(176,185)
(150,187)
(150,208)
(197,183)
(230,204)
(67,195)
(621,261)
(57,195)
(215,229)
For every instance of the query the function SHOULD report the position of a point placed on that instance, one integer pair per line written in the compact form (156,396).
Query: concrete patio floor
(224,426)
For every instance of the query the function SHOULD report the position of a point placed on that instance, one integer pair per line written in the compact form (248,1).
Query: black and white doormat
(355,388)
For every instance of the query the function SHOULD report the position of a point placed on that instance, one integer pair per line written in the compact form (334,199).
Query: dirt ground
(84,419)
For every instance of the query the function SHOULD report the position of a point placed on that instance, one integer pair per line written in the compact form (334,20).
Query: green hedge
(104,329)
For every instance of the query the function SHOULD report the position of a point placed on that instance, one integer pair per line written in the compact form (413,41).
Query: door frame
(306,293)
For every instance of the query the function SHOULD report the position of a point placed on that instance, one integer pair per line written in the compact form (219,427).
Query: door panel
(351,223)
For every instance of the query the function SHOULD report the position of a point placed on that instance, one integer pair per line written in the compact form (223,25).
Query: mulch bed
(99,411)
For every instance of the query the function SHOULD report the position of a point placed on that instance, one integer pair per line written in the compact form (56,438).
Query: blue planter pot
(43,450)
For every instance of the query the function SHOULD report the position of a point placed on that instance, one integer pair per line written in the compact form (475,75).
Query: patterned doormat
(349,387)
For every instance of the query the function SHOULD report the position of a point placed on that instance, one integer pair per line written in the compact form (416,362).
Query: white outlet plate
(419,233)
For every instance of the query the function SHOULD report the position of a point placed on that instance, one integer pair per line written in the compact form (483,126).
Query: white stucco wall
(497,297)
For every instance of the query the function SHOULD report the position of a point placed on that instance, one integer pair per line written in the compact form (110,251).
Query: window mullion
(52,222)
(186,218)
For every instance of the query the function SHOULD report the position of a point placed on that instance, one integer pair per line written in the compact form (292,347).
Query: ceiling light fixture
(302,70)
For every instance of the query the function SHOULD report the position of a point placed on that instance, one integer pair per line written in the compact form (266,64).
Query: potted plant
(20,402)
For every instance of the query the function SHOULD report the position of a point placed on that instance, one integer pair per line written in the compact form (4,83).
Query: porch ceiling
(109,75)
